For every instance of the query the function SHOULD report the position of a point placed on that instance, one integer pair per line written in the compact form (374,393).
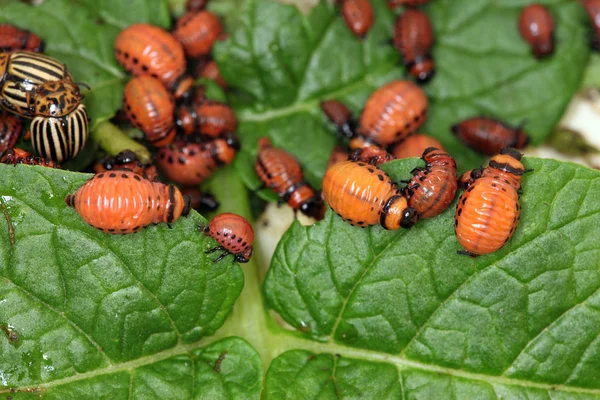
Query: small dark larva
(489,136)
(10,130)
(372,155)
(364,195)
(20,156)
(413,38)
(127,160)
(234,235)
(340,116)
(120,202)
(432,189)
(488,211)
(209,119)
(536,26)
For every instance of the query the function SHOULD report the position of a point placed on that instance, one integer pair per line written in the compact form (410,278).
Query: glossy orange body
(338,154)
(407,3)
(413,38)
(432,189)
(358,15)
(150,107)
(489,136)
(195,5)
(234,233)
(13,38)
(364,195)
(488,211)
(127,160)
(200,201)
(197,32)
(536,26)
(210,70)
(210,119)
(414,146)
(191,163)
(393,112)
(144,49)
(121,202)
(372,155)
(20,156)
(592,8)
(10,130)
(282,173)
(340,116)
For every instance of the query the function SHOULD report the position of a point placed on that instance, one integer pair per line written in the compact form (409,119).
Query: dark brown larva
(234,235)
(210,119)
(340,116)
(358,15)
(20,156)
(489,136)
(413,38)
(536,26)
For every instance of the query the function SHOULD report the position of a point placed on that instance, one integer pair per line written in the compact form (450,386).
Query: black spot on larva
(135,60)
(361,164)
(496,177)
(218,233)
(125,176)
(239,240)
(145,68)
(494,185)
(455,222)
(244,244)
(372,208)
(137,178)
(407,126)
(503,189)
(371,169)
(349,220)
(100,176)
(181,160)
(464,200)
(360,223)
(470,189)
(155,76)
(233,236)
(416,118)
(459,212)
(170,159)
(111,230)
(225,234)
(123,229)
(133,116)
(113,175)
(126,55)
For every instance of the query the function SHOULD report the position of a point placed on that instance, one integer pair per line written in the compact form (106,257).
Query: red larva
(210,119)
(414,146)
(340,116)
(358,15)
(234,235)
(280,171)
(413,38)
(144,49)
(13,38)
(149,107)
(338,154)
(197,32)
(393,112)
(432,189)
(536,26)
(488,136)
(20,156)
(408,3)
(191,163)
(127,160)
(122,202)
(10,130)
(372,155)
(210,70)
(592,8)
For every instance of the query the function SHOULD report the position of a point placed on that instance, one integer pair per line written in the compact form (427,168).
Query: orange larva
(191,163)
(372,155)
(281,172)
(414,146)
(10,130)
(488,211)
(364,195)
(13,38)
(488,136)
(340,116)
(393,112)
(210,119)
(150,107)
(358,16)
(432,189)
(234,235)
(144,49)
(413,38)
(127,160)
(121,202)
(197,32)
(536,26)
(20,156)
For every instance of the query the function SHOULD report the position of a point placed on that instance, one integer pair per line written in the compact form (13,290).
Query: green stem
(113,141)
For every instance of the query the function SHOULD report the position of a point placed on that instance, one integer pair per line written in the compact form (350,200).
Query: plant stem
(113,140)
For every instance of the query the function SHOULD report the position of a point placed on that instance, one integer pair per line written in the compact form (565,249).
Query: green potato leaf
(283,63)
(523,316)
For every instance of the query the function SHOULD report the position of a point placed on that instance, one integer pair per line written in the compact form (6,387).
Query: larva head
(245,256)
(507,163)
(423,70)
(183,88)
(433,155)
(264,143)
(397,214)
(469,177)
